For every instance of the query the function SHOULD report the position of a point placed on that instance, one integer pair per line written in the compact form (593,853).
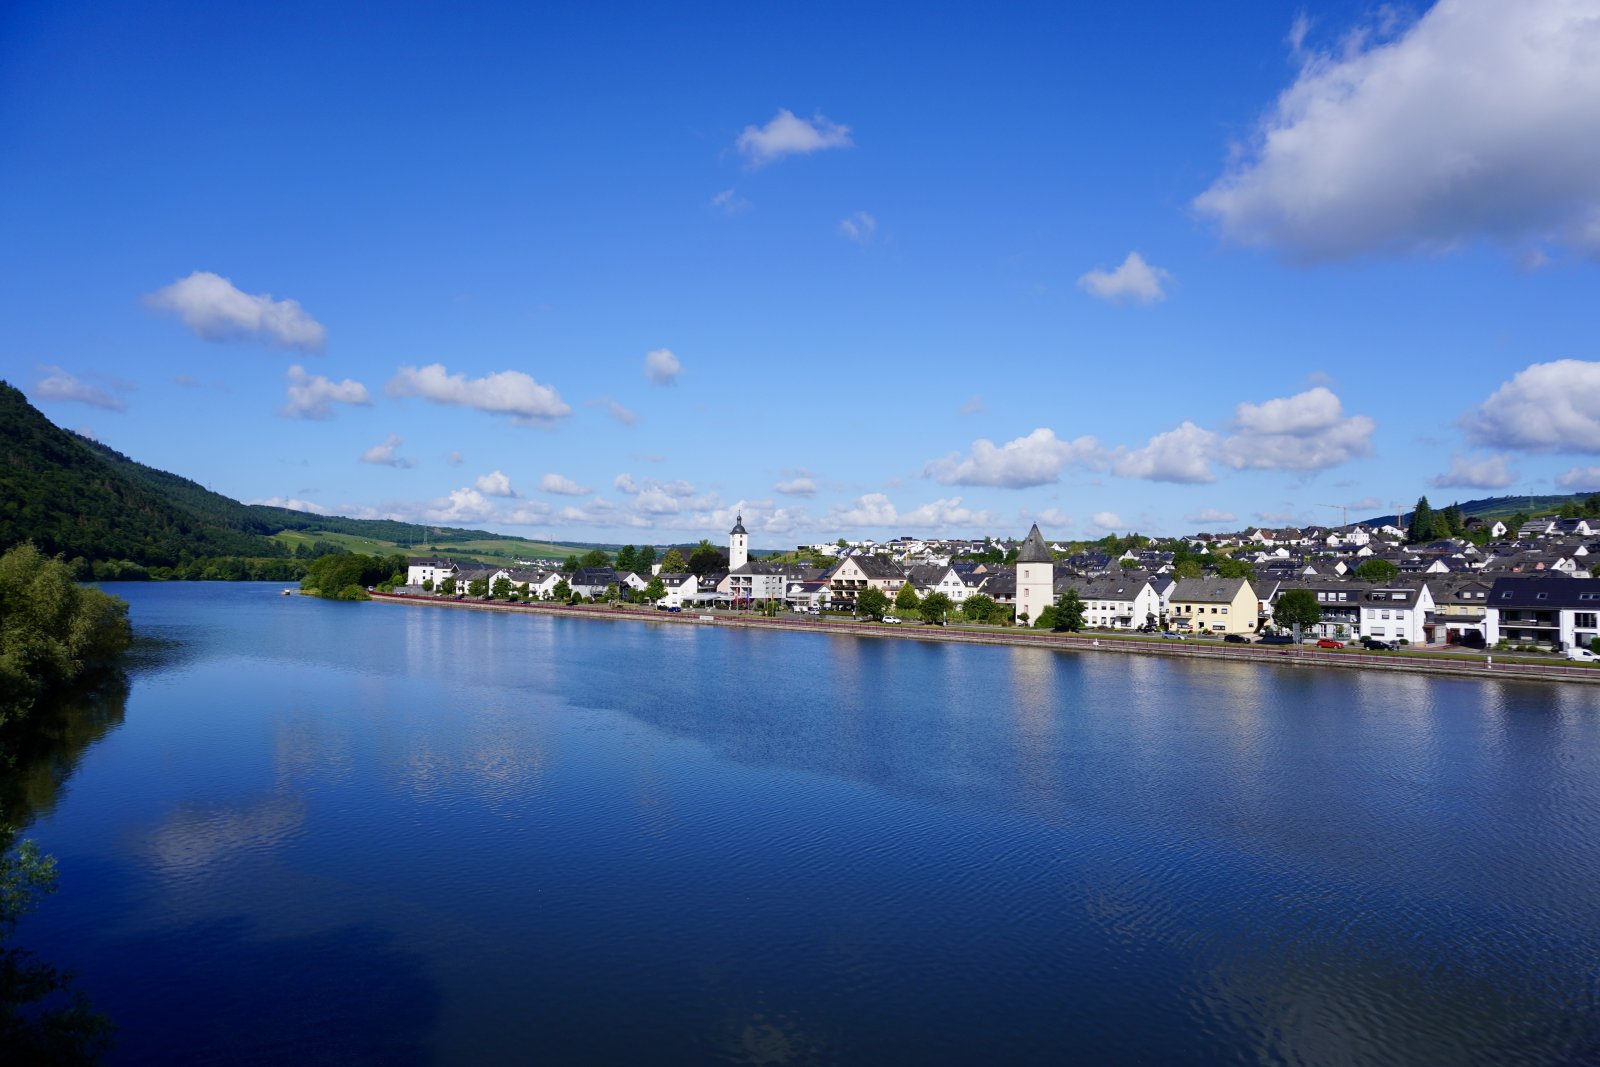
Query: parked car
(1236,639)
(892,620)
(1171,636)
(1582,655)
(1328,642)
(1377,644)
(1276,639)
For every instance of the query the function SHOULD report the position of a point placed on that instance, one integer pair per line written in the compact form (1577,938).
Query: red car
(1328,642)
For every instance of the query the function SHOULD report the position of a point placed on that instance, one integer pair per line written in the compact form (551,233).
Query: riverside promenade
(1437,663)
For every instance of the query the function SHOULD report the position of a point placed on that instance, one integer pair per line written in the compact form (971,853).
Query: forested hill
(75,497)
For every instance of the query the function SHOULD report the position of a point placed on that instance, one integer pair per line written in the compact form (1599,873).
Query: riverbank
(1298,656)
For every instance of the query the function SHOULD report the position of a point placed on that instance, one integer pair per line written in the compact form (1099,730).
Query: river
(319,832)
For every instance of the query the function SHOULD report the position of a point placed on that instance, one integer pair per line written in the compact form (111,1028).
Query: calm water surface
(345,833)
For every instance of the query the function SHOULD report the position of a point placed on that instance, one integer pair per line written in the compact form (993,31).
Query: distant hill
(76,497)
(1498,506)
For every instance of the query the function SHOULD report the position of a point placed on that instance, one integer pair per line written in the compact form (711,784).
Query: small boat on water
(288,592)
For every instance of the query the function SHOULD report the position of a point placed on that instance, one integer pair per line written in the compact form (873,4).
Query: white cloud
(1490,472)
(859,227)
(1053,518)
(1548,407)
(495,483)
(1178,455)
(1476,120)
(1134,280)
(1305,432)
(787,135)
(730,202)
(292,504)
(1036,459)
(311,396)
(462,505)
(800,485)
(661,366)
(562,486)
(1109,521)
(943,514)
(509,392)
(216,311)
(57,384)
(384,454)
(973,405)
(873,509)
(1208,516)
(1579,479)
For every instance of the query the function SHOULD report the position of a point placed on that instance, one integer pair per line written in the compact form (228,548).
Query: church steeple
(738,545)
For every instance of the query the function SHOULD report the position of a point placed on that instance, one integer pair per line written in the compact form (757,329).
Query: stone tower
(1035,576)
(738,545)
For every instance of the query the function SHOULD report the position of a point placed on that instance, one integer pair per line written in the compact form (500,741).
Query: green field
(486,550)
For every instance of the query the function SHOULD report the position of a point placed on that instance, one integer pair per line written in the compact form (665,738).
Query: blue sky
(616,273)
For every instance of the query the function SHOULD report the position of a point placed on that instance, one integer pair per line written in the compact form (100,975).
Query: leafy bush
(52,630)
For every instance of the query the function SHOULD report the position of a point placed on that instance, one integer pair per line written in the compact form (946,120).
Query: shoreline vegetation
(1438,663)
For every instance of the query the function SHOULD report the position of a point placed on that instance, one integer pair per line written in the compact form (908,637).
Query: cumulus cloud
(802,484)
(859,227)
(661,366)
(873,509)
(1305,432)
(311,396)
(1179,455)
(509,392)
(787,135)
(1109,521)
(1579,479)
(59,385)
(941,514)
(1548,407)
(1135,280)
(214,310)
(1490,472)
(292,504)
(1036,459)
(1475,120)
(1208,516)
(384,454)
(462,505)
(495,483)
(562,486)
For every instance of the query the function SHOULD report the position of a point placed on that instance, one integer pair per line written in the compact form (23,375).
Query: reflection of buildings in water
(1035,692)
(193,840)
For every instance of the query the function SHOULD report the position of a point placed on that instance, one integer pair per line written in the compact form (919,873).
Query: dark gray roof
(1033,549)
(738,525)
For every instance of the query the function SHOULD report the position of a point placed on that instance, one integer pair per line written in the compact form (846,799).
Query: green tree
(447,587)
(1376,570)
(673,563)
(906,599)
(478,587)
(1187,568)
(705,559)
(53,631)
(644,559)
(626,559)
(594,558)
(1228,567)
(976,608)
(570,564)
(502,588)
(1421,526)
(427,585)
(1069,612)
(1297,607)
(873,603)
(611,592)
(935,607)
(562,591)
(1128,564)
(1452,523)
(655,590)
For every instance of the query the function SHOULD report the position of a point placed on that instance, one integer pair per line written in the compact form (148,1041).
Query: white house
(420,569)
(1396,612)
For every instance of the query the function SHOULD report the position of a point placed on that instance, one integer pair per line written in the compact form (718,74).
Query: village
(1529,589)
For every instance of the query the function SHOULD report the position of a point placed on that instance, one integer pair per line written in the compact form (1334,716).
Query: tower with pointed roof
(738,545)
(1035,577)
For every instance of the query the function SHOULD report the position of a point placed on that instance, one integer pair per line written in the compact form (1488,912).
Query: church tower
(1035,577)
(738,545)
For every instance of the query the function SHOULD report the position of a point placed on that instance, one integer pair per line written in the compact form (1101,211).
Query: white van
(1582,655)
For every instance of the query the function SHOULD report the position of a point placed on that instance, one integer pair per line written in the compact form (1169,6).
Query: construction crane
(1344,513)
